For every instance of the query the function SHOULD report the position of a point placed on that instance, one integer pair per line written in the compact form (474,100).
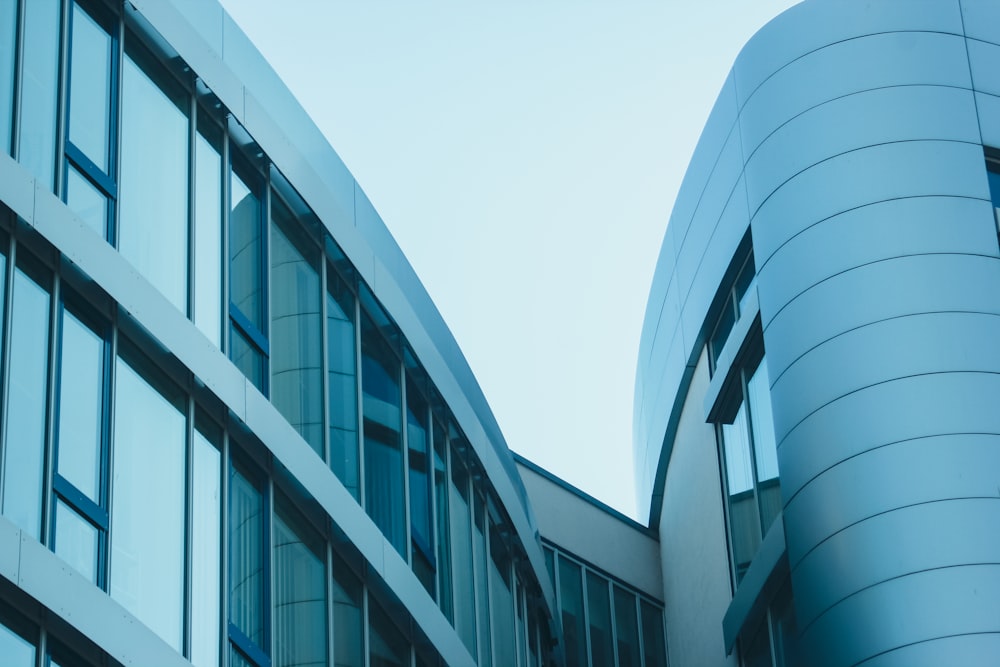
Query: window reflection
(76,541)
(343,391)
(208,233)
(90,88)
(81,404)
(571,599)
(87,201)
(206,548)
(627,628)
(246,557)
(348,620)
(36,148)
(299,592)
(388,647)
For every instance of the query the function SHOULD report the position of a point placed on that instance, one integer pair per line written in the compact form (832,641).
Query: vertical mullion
(8,310)
(226,206)
(48,447)
(265,278)
(614,620)
(638,626)
(331,645)
(15,103)
(477,629)
(223,620)
(41,657)
(325,355)
(191,211)
(359,399)
(62,95)
(109,413)
(189,524)
(118,43)
(586,613)
(432,501)
(268,565)
(365,626)
(404,440)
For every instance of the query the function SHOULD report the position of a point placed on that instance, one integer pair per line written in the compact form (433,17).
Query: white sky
(525,155)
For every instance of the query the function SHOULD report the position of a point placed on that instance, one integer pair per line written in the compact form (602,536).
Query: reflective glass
(602,650)
(86,201)
(206,555)
(420,489)
(247,357)
(573,619)
(786,653)
(343,408)
(443,529)
(461,536)
(246,557)
(15,649)
(653,642)
(348,622)
(153,190)
(626,628)
(387,645)
(479,538)
(722,329)
(208,235)
(384,484)
(502,599)
(76,541)
(81,402)
(745,285)
(757,651)
(994,181)
(296,360)
(147,519)
(8,40)
(90,88)
(36,147)
(744,525)
(26,398)
(246,249)
(764,447)
(299,593)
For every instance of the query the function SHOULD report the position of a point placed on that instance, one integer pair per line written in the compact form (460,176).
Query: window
(39,89)
(348,617)
(461,535)
(734,306)
(993,176)
(573,618)
(387,645)
(751,463)
(248,579)
(421,502)
(8,52)
(207,234)
(443,527)
(342,381)
(206,542)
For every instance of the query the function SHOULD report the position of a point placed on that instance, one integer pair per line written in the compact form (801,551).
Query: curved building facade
(814,423)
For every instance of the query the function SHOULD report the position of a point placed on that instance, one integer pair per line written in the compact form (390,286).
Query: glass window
(153,191)
(653,644)
(91,55)
(384,485)
(26,401)
(206,547)
(348,622)
(81,407)
(296,328)
(602,650)
(299,591)
(76,541)
(248,341)
(388,647)
(461,536)
(757,651)
(88,202)
(444,539)
(479,538)
(573,619)
(8,42)
(341,377)
(147,524)
(16,649)
(764,447)
(208,232)
(36,147)
(247,576)
(744,525)
(627,629)
(502,599)
(417,439)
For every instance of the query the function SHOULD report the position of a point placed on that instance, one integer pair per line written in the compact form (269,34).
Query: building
(234,429)
(826,305)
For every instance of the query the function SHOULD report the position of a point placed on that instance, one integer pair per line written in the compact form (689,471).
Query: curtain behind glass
(299,592)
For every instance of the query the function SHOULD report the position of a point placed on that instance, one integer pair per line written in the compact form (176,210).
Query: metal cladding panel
(865,176)
(983,59)
(954,601)
(868,118)
(966,650)
(981,19)
(817,23)
(866,63)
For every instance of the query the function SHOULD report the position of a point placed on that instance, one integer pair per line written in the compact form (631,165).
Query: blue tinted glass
(90,88)
(16,651)
(420,488)
(147,518)
(153,227)
(25,436)
(299,593)
(296,360)
(343,402)
(246,557)
(461,536)
(387,645)
(443,531)
(573,620)
(8,28)
(206,551)
(653,643)
(479,537)
(86,201)
(627,629)
(764,447)
(81,386)
(76,541)
(246,289)
(247,358)
(502,599)
(602,650)
(39,89)
(208,238)
(348,624)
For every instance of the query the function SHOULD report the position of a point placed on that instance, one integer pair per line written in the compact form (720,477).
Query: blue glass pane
(208,239)
(81,384)
(387,645)
(90,88)
(299,593)
(16,651)
(296,360)
(461,536)
(627,629)
(348,623)
(419,460)
(483,594)
(25,435)
(246,289)
(653,642)
(206,552)
(246,557)
(602,650)
(8,32)
(764,447)
(501,599)
(343,401)
(153,199)
(443,528)
(247,358)
(573,619)
(86,201)
(76,541)
(36,148)
(147,517)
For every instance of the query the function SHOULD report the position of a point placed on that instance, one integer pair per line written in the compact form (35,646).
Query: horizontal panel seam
(924,641)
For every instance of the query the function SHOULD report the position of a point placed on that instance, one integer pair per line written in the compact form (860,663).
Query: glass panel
(246,249)
(8,40)
(550,564)
(388,645)
(757,652)
(206,554)
(91,53)
(299,592)
(340,350)
(208,235)
(348,624)
(247,357)
(246,557)
(76,541)
(444,540)
(15,649)
(627,629)
(384,486)
(744,525)
(725,325)
(994,181)
(81,399)
(461,535)
(36,148)
(296,329)
(573,620)
(420,488)
(602,650)
(86,201)
(479,537)
(25,437)
(745,285)
(653,643)
(502,600)
(765,450)
(153,191)
(786,632)
(147,519)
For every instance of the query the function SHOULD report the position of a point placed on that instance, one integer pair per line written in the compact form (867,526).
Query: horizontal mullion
(80,503)
(247,647)
(91,171)
(249,330)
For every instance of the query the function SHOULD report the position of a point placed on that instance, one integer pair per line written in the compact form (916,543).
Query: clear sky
(525,155)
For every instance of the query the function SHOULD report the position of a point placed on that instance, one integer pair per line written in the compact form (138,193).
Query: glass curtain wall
(461,536)
(348,617)
(206,543)
(342,382)
(248,568)
(421,503)
(207,236)
(248,346)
